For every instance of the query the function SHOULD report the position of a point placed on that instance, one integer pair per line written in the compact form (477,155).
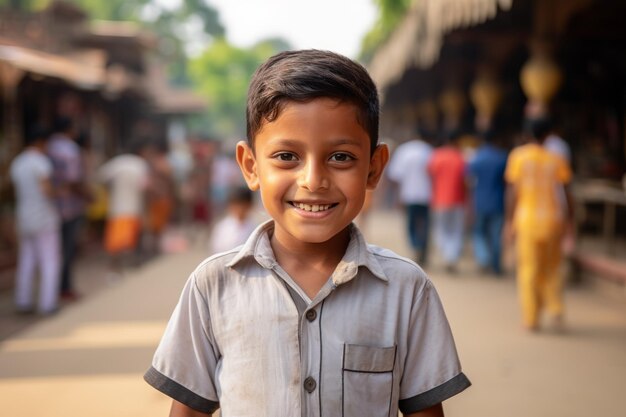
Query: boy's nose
(313,177)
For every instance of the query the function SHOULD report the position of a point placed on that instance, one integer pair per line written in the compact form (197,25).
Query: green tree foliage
(390,13)
(23,4)
(187,23)
(222,73)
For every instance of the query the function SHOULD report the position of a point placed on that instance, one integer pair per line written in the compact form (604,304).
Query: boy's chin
(319,237)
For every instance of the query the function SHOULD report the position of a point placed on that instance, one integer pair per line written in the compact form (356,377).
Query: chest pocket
(367,380)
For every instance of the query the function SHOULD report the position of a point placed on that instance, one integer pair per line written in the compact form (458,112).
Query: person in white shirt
(555,144)
(127,178)
(408,169)
(38,226)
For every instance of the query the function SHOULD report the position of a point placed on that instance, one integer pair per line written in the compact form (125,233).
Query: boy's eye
(341,157)
(285,156)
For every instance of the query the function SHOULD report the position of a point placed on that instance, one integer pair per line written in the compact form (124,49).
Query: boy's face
(312,165)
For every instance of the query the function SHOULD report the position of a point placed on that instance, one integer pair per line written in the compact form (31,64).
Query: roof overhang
(86,71)
(418,39)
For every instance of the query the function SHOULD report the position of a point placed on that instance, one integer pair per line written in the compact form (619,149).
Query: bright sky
(336,25)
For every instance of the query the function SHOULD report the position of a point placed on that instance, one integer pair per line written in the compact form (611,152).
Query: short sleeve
(185,362)
(432,371)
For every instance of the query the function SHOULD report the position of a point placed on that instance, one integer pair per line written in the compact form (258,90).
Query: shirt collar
(357,254)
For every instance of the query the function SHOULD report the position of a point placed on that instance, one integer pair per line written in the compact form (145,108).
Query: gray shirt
(373,340)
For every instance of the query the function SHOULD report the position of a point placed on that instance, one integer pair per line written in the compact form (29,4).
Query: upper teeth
(312,207)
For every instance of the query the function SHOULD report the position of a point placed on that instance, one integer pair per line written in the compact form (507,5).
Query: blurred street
(88,360)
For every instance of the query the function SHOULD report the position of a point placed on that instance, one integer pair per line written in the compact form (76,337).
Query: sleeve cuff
(179,393)
(436,395)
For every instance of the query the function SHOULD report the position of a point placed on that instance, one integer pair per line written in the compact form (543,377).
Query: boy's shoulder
(397,268)
(215,263)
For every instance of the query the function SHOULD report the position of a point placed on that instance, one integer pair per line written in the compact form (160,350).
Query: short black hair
(36,133)
(538,127)
(452,135)
(240,194)
(62,124)
(305,75)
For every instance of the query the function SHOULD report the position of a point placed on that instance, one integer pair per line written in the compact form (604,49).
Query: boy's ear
(247,164)
(377,165)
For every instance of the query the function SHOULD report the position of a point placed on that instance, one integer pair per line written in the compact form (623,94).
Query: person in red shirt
(447,171)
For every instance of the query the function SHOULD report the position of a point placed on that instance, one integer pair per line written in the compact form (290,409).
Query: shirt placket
(312,355)
(311,340)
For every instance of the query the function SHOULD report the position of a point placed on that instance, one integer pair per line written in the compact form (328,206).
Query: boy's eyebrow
(296,142)
(347,141)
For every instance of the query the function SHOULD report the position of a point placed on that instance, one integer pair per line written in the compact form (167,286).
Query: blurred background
(166,81)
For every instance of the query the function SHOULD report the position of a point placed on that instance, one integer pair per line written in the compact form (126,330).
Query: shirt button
(311,315)
(310,384)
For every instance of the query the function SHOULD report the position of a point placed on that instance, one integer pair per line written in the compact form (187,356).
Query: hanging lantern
(541,79)
(452,102)
(427,113)
(486,96)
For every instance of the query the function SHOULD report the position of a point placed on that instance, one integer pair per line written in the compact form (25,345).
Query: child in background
(234,229)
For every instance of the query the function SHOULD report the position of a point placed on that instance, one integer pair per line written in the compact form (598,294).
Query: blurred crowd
(148,199)
(458,184)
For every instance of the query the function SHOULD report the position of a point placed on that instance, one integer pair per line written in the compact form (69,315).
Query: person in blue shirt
(486,178)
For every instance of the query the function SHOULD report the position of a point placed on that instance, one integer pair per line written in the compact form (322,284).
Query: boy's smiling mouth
(312,207)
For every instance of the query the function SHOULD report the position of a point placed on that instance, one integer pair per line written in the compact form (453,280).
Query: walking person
(537,221)
(160,198)
(486,178)
(126,177)
(408,169)
(38,227)
(71,195)
(447,172)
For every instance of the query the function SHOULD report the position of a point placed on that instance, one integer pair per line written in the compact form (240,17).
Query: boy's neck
(310,264)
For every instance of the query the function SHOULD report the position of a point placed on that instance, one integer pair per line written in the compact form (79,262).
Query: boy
(306,319)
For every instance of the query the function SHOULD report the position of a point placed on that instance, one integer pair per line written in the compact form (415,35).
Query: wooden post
(10,143)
